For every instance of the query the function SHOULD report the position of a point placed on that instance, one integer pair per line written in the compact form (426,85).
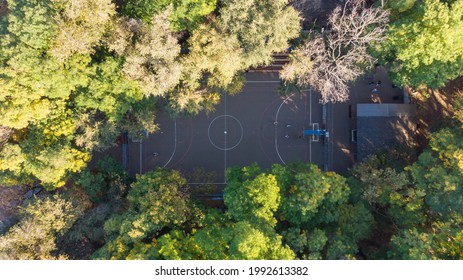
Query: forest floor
(10,200)
(434,107)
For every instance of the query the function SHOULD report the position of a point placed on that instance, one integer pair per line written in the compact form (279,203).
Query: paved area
(342,116)
(259,125)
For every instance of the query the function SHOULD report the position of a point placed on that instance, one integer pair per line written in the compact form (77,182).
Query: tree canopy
(423,39)
(35,236)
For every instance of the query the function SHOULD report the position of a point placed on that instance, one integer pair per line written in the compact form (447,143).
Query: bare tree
(330,60)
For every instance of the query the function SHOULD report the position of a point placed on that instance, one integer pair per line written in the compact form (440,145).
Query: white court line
(331,137)
(209,132)
(310,110)
(141,157)
(271,81)
(225,135)
(276,135)
(175,143)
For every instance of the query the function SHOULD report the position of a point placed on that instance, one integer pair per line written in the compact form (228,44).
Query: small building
(379,126)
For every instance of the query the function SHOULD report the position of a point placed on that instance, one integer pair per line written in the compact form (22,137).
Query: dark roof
(380,125)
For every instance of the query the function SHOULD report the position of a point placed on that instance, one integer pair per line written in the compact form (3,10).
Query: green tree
(213,237)
(186,14)
(316,217)
(156,203)
(400,6)
(422,46)
(107,180)
(209,55)
(81,25)
(42,221)
(309,195)
(251,198)
(176,245)
(251,243)
(261,26)
(152,60)
(420,208)
(442,241)
(62,102)
(29,93)
(48,158)
(438,173)
(222,238)
(388,191)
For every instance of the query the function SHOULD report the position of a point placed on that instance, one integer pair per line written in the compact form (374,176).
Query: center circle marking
(233,122)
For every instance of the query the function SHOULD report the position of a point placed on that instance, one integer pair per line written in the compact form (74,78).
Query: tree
(421,205)
(176,245)
(209,55)
(152,60)
(156,203)
(50,163)
(107,180)
(442,241)
(330,60)
(62,102)
(422,46)
(249,198)
(186,14)
(261,26)
(213,237)
(81,25)
(438,173)
(400,6)
(251,243)
(29,93)
(309,196)
(388,191)
(316,217)
(5,134)
(34,237)
(221,238)
(144,9)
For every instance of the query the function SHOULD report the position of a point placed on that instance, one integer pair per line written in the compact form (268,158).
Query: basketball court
(254,126)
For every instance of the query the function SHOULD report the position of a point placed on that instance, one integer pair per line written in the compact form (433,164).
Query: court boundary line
(175,144)
(310,121)
(225,136)
(276,127)
(141,157)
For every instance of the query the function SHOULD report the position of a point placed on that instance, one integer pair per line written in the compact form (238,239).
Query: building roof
(381,125)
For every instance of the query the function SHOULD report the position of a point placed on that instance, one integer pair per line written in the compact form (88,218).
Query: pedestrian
(378,83)
(286,136)
(371,83)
